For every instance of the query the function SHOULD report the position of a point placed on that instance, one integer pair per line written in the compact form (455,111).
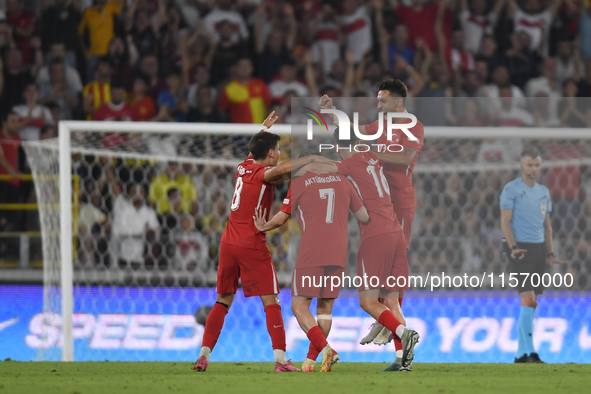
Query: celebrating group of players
(375,186)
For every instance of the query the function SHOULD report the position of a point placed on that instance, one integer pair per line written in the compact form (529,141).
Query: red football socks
(397,341)
(317,338)
(213,325)
(388,320)
(275,326)
(313,351)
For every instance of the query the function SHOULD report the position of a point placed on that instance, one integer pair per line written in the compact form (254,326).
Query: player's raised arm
(270,121)
(276,174)
(325,102)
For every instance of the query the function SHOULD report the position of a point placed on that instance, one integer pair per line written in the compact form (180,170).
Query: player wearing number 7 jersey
(243,249)
(382,252)
(322,202)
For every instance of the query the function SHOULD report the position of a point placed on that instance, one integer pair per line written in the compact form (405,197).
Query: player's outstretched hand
(554,260)
(518,253)
(271,119)
(259,218)
(325,102)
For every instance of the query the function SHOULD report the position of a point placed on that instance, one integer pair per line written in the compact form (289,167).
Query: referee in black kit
(525,222)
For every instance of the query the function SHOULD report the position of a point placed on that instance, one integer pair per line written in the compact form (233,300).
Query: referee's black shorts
(534,262)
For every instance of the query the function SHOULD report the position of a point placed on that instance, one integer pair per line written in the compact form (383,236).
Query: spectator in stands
(224,12)
(508,114)
(99,22)
(545,110)
(149,68)
(58,54)
(585,31)
(287,81)
(432,111)
(357,28)
(571,109)
(173,178)
(115,110)
(489,56)
(420,15)
(500,78)
(397,46)
(172,103)
(16,78)
(534,20)
(170,220)
(227,53)
(23,25)
(59,25)
(245,98)
(191,248)
(97,92)
(59,91)
(522,62)
(325,35)
(568,62)
(134,223)
(206,110)
(273,49)
(142,104)
(584,85)
(32,115)
(9,165)
(123,57)
(477,23)
(92,224)
(144,31)
(201,78)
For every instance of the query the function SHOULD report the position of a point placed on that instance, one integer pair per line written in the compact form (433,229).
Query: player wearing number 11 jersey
(243,250)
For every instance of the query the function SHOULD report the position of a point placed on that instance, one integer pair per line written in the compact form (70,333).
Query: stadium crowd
(498,63)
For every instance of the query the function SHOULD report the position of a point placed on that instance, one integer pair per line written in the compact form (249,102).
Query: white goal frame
(66,128)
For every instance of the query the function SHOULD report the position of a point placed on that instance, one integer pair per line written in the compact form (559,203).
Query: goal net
(148,203)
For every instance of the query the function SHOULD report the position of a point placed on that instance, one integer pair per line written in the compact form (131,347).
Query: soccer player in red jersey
(382,252)
(322,203)
(399,163)
(243,249)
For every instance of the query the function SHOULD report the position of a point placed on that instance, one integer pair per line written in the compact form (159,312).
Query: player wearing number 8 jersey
(243,250)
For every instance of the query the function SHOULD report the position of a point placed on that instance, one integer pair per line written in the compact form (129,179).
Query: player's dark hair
(531,151)
(351,141)
(261,143)
(395,86)
(309,152)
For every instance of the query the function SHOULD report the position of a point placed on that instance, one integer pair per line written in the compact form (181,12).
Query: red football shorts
(405,217)
(317,282)
(253,266)
(382,260)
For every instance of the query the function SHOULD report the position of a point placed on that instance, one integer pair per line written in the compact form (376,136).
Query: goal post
(66,146)
(66,128)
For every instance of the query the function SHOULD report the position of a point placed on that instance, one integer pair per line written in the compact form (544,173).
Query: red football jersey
(286,206)
(367,174)
(111,112)
(322,203)
(251,191)
(400,177)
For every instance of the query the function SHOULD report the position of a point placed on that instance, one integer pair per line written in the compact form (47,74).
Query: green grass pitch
(222,378)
